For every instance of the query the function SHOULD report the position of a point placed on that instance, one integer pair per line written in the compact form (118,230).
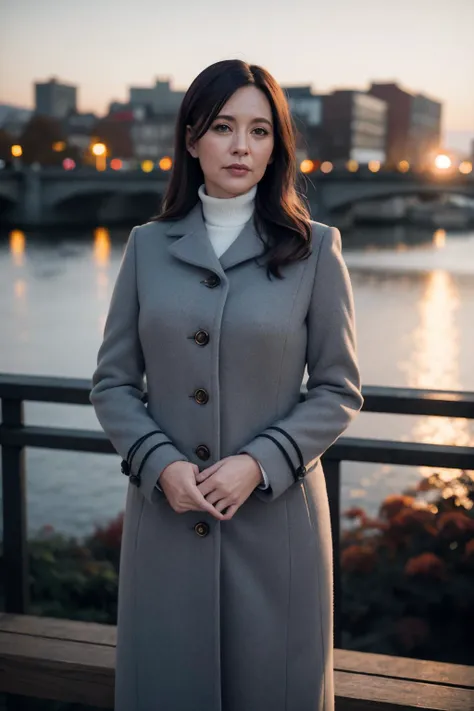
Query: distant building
(307,112)
(153,137)
(118,106)
(54,99)
(78,129)
(160,98)
(13,119)
(413,124)
(354,127)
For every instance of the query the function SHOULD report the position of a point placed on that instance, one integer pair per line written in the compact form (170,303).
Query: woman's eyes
(220,128)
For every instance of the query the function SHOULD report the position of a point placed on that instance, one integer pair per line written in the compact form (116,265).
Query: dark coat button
(202,528)
(125,469)
(201,396)
(300,473)
(135,480)
(201,337)
(212,281)
(203,452)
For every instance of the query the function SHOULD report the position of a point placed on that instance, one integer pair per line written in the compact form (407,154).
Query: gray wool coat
(234,615)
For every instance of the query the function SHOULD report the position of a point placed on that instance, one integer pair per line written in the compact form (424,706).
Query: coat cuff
(272,459)
(266,483)
(151,458)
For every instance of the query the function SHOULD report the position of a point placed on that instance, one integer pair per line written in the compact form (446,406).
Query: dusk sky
(104,46)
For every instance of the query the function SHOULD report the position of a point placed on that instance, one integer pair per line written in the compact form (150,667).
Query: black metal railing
(15,435)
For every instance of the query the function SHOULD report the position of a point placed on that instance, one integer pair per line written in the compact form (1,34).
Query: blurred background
(382,96)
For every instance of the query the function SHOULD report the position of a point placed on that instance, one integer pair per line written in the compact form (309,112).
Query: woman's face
(241,135)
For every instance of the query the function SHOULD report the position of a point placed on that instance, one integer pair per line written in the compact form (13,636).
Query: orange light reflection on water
(17,247)
(101,256)
(101,246)
(434,364)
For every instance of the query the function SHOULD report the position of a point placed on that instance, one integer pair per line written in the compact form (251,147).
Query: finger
(222,505)
(207,486)
(206,473)
(231,511)
(204,505)
(213,496)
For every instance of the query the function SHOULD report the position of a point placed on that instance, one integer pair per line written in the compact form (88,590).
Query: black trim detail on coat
(301,470)
(283,451)
(126,465)
(136,478)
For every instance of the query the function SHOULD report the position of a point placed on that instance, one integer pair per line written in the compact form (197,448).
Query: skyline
(103,47)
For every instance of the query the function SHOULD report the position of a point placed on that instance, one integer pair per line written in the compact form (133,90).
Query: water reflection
(434,361)
(19,289)
(439,238)
(101,257)
(17,247)
(102,246)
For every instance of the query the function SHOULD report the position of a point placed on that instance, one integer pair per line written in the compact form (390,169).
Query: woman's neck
(227,212)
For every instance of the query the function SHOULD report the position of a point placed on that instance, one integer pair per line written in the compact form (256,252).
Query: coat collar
(194,245)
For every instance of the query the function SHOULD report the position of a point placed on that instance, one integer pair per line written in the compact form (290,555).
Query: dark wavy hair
(280,214)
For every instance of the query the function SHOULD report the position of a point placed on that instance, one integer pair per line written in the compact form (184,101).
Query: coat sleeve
(118,386)
(293,444)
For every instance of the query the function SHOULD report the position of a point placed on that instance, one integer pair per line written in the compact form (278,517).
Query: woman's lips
(238,172)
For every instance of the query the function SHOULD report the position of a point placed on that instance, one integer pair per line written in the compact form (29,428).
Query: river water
(414,296)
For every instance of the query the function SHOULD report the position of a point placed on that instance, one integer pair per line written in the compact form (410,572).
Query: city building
(413,125)
(54,99)
(307,112)
(78,129)
(160,98)
(13,119)
(354,126)
(153,136)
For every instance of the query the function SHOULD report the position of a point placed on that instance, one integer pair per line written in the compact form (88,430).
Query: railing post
(332,472)
(15,542)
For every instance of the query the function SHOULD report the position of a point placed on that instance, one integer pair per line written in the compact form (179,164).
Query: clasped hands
(224,486)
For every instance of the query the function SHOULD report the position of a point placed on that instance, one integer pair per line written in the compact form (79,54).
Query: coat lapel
(194,245)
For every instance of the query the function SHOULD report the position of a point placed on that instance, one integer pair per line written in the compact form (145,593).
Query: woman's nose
(240,146)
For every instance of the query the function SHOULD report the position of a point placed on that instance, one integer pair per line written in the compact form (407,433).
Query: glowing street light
(306,166)
(147,166)
(374,166)
(165,163)
(326,166)
(100,152)
(443,162)
(465,167)
(17,151)
(404,166)
(352,166)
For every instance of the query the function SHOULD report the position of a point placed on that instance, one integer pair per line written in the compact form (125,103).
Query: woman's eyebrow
(260,119)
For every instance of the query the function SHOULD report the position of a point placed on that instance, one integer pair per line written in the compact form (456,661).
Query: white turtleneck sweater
(225,218)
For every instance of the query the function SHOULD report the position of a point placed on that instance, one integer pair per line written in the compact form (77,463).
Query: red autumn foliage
(358,559)
(392,505)
(111,535)
(453,523)
(427,565)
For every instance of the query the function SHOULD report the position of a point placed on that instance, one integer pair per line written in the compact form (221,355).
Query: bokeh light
(306,166)
(326,166)
(352,166)
(443,162)
(165,163)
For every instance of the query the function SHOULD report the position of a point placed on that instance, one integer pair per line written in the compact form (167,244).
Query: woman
(225,598)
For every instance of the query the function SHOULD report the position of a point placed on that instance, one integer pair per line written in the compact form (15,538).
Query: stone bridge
(56,196)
